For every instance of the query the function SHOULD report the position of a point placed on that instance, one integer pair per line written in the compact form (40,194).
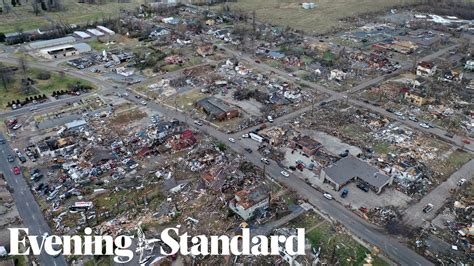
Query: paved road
(439,132)
(365,231)
(28,209)
(414,215)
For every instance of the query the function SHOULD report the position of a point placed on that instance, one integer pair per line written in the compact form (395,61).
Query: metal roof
(52,42)
(350,167)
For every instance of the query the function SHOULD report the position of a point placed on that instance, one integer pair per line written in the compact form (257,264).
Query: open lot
(325,17)
(55,82)
(336,246)
(22,17)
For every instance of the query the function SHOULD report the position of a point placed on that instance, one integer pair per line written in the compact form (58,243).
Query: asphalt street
(365,231)
(28,209)
(32,216)
(415,216)
(435,131)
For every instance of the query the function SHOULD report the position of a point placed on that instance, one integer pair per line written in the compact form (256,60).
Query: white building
(425,69)
(64,50)
(95,32)
(81,35)
(50,43)
(106,30)
(248,202)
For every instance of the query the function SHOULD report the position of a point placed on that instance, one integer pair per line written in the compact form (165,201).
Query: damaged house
(425,69)
(250,202)
(183,140)
(306,144)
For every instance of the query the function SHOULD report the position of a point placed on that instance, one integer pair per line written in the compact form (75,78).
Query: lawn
(326,16)
(97,45)
(74,13)
(191,62)
(338,245)
(186,100)
(381,148)
(55,82)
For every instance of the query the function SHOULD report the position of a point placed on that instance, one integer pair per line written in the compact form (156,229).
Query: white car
(231,140)
(197,122)
(143,102)
(285,174)
(245,136)
(327,196)
(17,126)
(34,108)
(424,125)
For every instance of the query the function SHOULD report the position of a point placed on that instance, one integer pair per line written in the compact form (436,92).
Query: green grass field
(339,245)
(22,17)
(56,82)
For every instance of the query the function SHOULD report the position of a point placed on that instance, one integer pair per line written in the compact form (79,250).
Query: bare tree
(34,4)
(5,77)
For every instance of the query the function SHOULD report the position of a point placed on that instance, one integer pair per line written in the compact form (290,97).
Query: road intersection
(33,218)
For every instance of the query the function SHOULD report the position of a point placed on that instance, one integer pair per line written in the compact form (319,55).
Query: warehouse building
(50,43)
(353,169)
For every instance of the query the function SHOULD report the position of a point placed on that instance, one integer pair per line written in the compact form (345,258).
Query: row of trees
(27,100)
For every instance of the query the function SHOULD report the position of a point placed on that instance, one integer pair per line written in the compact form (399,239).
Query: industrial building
(50,43)
(353,169)
(217,109)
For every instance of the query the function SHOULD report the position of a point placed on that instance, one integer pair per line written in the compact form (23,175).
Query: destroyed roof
(250,197)
(75,124)
(350,167)
(426,65)
(307,142)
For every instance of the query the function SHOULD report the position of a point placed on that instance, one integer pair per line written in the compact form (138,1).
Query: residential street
(28,209)
(415,216)
(33,218)
(365,231)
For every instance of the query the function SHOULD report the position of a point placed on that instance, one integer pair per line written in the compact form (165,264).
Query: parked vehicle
(17,126)
(428,208)
(327,196)
(285,174)
(231,140)
(424,125)
(461,182)
(197,122)
(16,170)
(344,193)
(248,150)
(10,158)
(363,187)
(265,161)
